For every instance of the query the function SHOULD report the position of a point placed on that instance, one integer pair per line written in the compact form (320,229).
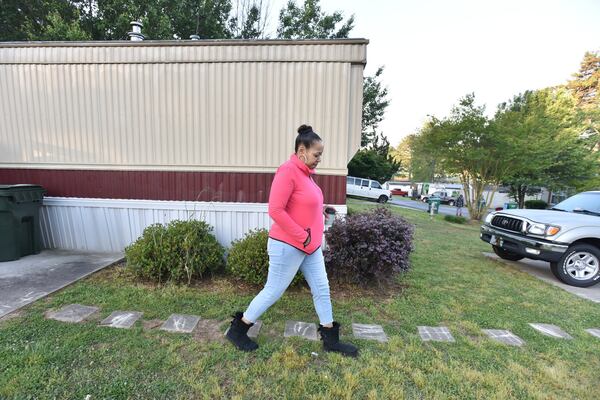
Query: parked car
(367,188)
(443,196)
(399,192)
(567,235)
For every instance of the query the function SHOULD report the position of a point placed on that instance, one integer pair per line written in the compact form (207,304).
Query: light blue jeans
(284,262)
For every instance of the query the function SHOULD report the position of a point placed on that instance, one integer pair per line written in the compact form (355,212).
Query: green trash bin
(433,203)
(20,232)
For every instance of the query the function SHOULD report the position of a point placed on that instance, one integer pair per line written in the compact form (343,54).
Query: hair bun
(304,129)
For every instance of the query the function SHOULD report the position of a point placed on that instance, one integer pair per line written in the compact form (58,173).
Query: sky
(436,51)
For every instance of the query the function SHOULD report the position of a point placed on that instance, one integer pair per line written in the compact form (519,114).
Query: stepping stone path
(594,332)
(73,313)
(180,323)
(435,333)
(121,319)
(551,330)
(373,332)
(303,329)
(505,337)
(255,329)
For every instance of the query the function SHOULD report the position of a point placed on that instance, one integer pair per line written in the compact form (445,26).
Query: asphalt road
(419,205)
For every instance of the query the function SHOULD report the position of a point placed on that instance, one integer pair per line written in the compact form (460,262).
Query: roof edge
(161,43)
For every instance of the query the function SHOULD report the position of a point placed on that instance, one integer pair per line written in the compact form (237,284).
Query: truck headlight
(489,217)
(537,229)
(543,229)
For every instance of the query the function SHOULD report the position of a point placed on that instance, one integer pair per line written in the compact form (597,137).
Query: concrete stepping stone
(255,329)
(73,313)
(551,330)
(180,323)
(121,319)
(594,332)
(306,330)
(435,333)
(502,336)
(372,332)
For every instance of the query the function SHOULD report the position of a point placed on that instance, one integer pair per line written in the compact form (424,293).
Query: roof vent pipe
(136,31)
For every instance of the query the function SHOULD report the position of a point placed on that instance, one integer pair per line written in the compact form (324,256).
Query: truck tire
(451,203)
(506,255)
(382,199)
(579,266)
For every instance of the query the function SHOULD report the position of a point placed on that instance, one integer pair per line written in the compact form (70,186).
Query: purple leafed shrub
(369,247)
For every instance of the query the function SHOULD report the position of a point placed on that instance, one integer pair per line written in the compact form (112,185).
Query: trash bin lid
(22,192)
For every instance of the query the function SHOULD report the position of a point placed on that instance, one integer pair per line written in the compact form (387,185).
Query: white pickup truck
(568,236)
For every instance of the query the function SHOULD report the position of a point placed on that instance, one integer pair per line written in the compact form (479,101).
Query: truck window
(375,185)
(349,181)
(365,183)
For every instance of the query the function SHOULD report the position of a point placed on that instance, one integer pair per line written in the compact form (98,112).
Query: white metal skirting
(111,225)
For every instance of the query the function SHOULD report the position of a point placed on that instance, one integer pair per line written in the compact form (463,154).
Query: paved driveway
(32,277)
(419,205)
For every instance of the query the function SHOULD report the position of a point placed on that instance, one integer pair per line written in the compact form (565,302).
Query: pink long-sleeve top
(296,204)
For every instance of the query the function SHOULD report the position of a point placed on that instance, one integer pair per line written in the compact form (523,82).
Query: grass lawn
(450,284)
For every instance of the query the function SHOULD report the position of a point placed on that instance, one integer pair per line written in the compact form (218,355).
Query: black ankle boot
(238,333)
(331,341)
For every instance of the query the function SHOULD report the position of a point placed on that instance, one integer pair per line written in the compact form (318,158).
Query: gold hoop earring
(303,160)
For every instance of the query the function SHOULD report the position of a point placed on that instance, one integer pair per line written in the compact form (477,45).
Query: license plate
(496,241)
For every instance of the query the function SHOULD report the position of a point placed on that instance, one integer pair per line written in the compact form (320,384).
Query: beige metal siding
(177,107)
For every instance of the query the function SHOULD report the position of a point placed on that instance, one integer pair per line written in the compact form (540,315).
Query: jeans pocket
(275,248)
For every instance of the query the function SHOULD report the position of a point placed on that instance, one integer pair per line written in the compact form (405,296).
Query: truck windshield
(588,203)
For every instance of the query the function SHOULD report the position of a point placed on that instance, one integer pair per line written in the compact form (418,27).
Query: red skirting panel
(164,185)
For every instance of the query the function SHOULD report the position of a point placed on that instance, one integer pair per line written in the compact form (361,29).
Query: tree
(162,19)
(249,19)
(545,135)
(309,22)
(40,20)
(375,102)
(586,88)
(466,145)
(375,162)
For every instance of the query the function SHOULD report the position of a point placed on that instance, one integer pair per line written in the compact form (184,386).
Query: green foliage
(40,20)
(178,252)
(248,259)
(546,138)
(375,102)
(455,219)
(309,22)
(536,204)
(467,145)
(249,19)
(375,163)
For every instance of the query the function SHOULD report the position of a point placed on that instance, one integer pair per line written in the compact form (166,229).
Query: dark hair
(306,136)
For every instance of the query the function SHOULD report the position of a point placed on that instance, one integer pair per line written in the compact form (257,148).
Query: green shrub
(536,204)
(248,259)
(455,219)
(369,247)
(177,252)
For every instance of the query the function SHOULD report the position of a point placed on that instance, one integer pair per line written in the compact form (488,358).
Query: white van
(367,188)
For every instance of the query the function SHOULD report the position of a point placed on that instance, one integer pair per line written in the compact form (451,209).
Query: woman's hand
(331,210)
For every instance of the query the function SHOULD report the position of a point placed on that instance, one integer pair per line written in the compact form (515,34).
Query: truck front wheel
(579,266)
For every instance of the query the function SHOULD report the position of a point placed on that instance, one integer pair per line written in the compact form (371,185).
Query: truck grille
(510,224)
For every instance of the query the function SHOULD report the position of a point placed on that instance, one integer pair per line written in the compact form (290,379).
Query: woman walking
(296,207)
